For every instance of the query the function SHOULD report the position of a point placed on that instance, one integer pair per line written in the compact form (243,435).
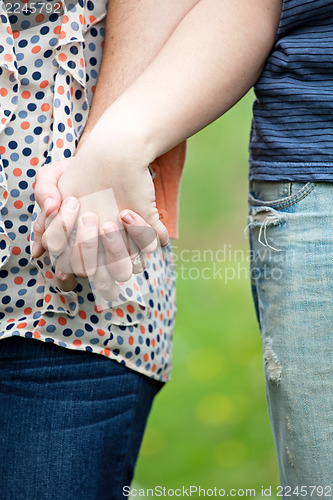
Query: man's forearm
(135,32)
(212,58)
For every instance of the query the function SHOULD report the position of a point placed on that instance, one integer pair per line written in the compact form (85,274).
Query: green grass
(210,426)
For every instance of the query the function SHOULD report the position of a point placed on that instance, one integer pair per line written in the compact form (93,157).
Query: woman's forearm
(134,34)
(212,58)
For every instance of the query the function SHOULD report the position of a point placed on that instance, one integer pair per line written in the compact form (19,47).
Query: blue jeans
(291,249)
(71,422)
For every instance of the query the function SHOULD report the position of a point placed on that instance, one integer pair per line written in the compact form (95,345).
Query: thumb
(161,231)
(47,194)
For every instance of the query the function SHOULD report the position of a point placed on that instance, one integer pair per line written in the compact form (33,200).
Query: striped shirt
(292,127)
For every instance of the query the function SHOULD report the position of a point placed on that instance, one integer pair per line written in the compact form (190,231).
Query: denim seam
(280,205)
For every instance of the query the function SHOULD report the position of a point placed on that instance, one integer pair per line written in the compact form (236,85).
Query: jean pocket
(278,194)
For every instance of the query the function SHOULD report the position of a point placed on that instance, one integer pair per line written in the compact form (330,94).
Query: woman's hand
(91,211)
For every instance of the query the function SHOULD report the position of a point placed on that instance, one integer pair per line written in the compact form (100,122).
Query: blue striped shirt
(292,126)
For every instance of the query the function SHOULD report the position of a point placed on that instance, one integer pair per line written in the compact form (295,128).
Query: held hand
(53,227)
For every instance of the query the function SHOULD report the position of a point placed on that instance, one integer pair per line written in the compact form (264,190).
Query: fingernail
(71,204)
(126,217)
(88,221)
(47,203)
(110,231)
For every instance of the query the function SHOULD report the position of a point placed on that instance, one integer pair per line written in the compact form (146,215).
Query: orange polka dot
(153,368)
(21,325)
(100,332)
(57,30)
(17,172)
(36,49)
(9,30)
(82,315)
(131,340)
(142,329)
(2,150)
(25,125)
(77,342)
(62,298)
(69,121)
(47,298)
(82,62)
(34,161)
(8,57)
(120,312)
(44,84)
(60,143)
(49,275)
(18,204)
(65,19)
(136,287)
(16,34)
(153,342)
(40,18)
(98,309)
(62,56)
(36,335)
(26,94)
(62,321)
(107,352)
(45,107)
(41,322)
(27,310)
(93,88)
(130,308)
(62,35)
(81,18)
(92,19)
(3,91)
(145,358)
(5,195)
(16,250)
(18,280)
(61,90)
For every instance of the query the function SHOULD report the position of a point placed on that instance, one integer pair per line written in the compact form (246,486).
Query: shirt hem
(289,171)
(34,334)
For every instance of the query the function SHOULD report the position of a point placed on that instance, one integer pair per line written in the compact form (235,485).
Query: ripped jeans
(291,246)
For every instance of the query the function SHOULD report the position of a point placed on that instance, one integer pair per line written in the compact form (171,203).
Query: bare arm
(212,58)
(135,32)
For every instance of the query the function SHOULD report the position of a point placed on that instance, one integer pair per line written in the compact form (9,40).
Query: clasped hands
(98,218)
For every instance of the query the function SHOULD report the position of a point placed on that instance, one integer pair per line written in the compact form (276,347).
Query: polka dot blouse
(49,63)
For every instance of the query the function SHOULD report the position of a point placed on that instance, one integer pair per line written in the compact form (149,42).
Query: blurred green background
(209,426)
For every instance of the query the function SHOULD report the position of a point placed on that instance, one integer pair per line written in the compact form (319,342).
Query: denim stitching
(280,205)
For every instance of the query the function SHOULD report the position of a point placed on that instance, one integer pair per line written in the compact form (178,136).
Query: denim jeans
(291,248)
(71,422)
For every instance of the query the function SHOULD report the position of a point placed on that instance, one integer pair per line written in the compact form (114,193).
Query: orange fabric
(168,170)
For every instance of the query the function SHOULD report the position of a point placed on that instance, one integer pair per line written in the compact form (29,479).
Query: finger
(47,194)
(84,254)
(117,259)
(161,231)
(38,228)
(137,257)
(55,238)
(138,263)
(140,231)
(65,278)
(105,285)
